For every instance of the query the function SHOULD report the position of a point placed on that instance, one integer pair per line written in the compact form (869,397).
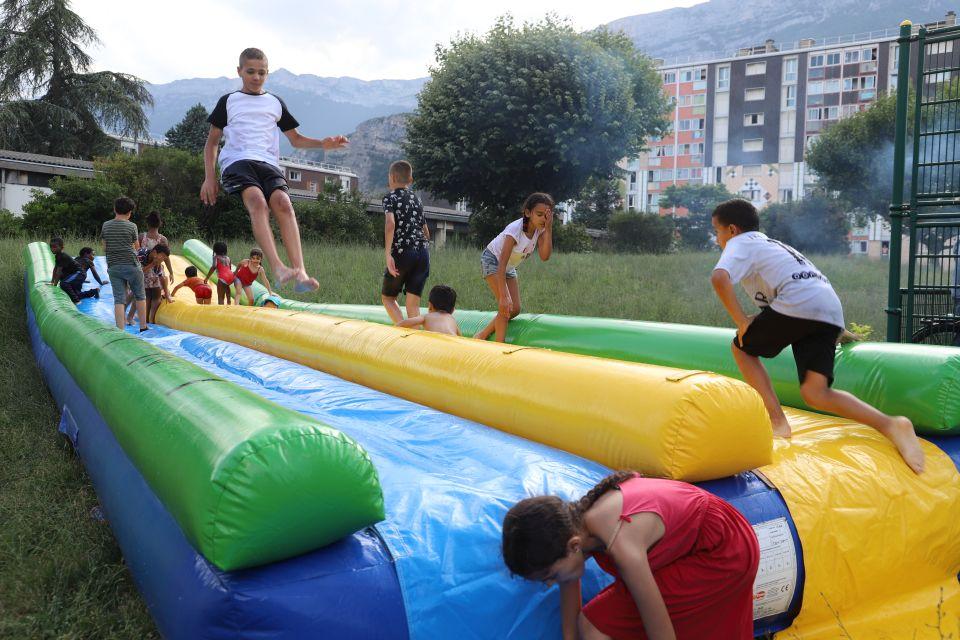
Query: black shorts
(413,266)
(253,173)
(814,343)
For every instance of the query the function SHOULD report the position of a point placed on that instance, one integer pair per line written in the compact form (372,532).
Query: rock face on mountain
(720,27)
(373,146)
(324,106)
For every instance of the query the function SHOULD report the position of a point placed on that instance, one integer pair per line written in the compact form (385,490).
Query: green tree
(10,225)
(190,134)
(699,200)
(641,232)
(532,108)
(338,216)
(816,224)
(77,206)
(571,238)
(854,158)
(49,102)
(597,201)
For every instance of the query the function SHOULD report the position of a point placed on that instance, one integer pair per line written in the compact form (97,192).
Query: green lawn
(61,572)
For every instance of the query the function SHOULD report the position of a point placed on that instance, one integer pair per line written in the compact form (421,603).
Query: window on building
(670,77)
(816,61)
(758,93)
(812,140)
(786,195)
(653,200)
(868,55)
(695,124)
(753,119)
(313,186)
(754,144)
(633,178)
(756,68)
(664,151)
(790,70)
(895,56)
(851,56)
(831,86)
(699,99)
(630,202)
(863,247)
(694,74)
(684,101)
(815,88)
(293,175)
(823,113)
(833,59)
(723,78)
(790,96)
(939,48)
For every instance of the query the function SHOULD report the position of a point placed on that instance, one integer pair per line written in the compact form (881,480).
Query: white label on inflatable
(777,574)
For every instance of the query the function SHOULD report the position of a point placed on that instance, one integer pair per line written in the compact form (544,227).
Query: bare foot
(305,285)
(282,276)
(901,433)
(781,428)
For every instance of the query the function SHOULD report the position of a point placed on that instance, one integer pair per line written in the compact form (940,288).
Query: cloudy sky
(367,39)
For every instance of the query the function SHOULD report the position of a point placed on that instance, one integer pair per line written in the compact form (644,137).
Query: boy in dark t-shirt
(405,242)
(251,121)
(69,273)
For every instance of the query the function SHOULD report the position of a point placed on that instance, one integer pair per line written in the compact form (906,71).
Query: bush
(337,217)
(815,224)
(571,238)
(77,206)
(641,232)
(10,225)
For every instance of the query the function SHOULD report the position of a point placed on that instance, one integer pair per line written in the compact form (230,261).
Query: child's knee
(813,391)
(514,311)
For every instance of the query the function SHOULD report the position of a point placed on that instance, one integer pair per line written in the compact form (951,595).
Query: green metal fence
(927,309)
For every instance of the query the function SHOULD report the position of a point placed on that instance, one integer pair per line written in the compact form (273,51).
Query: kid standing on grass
(405,244)
(251,121)
(248,271)
(123,267)
(439,318)
(499,261)
(683,560)
(798,308)
(201,290)
(225,277)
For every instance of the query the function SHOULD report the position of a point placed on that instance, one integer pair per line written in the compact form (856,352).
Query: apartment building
(305,178)
(746,120)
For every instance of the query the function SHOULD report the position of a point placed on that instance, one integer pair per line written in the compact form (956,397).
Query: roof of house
(38,163)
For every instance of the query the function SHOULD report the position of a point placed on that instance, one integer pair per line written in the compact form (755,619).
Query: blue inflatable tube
(431,569)
(191,599)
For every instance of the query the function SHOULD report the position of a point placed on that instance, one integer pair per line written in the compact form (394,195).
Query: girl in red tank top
(683,560)
(248,271)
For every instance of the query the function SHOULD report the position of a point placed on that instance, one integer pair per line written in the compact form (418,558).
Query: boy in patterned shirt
(405,244)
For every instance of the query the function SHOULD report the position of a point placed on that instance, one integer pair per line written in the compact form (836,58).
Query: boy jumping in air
(251,121)
(798,308)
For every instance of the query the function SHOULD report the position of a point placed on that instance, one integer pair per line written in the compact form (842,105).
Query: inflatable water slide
(308,472)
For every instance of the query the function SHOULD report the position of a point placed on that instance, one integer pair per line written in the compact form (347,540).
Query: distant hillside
(324,106)
(722,26)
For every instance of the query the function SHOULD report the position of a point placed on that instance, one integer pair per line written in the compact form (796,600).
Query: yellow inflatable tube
(686,425)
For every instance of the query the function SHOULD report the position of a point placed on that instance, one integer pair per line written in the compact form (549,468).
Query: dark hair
(256,252)
(162,248)
(536,530)
(190,272)
(154,220)
(86,251)
(401,171)
(57,240)
(738,212)
(443,298)
(124,205)
(219,248)
(533,200)
(251,53)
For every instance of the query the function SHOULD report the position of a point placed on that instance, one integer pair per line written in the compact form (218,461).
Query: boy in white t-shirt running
(251,121)
(499,261)
(798,308)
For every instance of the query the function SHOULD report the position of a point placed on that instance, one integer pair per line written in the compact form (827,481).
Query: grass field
(61,573)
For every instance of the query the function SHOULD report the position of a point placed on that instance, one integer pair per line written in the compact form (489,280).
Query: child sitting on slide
(798,308)
(200,289)
(225,277)
(439,318)
(683,560)
(248,271)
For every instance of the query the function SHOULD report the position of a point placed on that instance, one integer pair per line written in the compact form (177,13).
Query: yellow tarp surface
(661,421)
(881,545)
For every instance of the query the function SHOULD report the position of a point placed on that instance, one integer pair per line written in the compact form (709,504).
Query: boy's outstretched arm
(409,323)
(210,188)
(301,141)
(96,275)
(723,286)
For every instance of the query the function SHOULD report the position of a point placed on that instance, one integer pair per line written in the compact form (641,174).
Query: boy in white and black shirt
(798,308)
(251,120)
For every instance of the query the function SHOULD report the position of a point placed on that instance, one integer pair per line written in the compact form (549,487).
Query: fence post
(897,208)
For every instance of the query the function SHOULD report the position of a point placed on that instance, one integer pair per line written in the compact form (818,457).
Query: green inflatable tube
(921,382)
(248,481)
